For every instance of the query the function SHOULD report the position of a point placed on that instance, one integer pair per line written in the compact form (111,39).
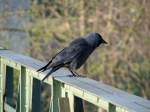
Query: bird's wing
(67,50)
(77,41)
(48,64)
(69,53)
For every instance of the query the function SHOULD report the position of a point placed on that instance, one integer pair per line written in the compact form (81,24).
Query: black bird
(75,55)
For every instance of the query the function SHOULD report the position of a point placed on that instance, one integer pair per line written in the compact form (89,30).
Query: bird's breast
(81,58)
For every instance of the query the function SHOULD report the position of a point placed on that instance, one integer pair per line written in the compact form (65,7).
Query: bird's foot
(74,74)
(77,76)
(71,75)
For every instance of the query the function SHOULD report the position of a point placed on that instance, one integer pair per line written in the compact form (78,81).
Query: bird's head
(95,39)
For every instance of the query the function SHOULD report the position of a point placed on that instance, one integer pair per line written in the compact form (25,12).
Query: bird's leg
(74,73)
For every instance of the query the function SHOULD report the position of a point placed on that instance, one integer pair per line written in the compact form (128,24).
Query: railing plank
(84,87)
(109,94)
(21,59)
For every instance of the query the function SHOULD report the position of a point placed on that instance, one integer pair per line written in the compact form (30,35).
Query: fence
(64,89)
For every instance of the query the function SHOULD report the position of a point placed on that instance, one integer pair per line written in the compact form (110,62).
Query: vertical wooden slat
(112,108)
(56,94)
(71,101)
(30,91)
(64,105)
(78,104)
(9,85)
(23,102)
(25,87)
(18,97)
(1,85)
(36,96)
(18,108)
(23,90)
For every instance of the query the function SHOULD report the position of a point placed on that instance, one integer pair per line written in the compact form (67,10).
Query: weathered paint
(36,96)
(1,86)
(56,94)
(103,96)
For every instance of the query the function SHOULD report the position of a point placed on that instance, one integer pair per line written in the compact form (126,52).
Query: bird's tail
(51,71)
(45,67)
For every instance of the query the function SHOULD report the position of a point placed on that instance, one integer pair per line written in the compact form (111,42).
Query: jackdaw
(75,55)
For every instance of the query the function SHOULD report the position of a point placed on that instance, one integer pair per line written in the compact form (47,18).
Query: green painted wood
(36,96)
(25,86)
(92,91)
(23,101)
(56,94)
(1,85)
(64,105)
(12,64)
(78,104)
(71,101)
(112,108)
(84,87)
(9,85)
(18,97)
(29,85)
(18,73)
(8,108)
(2,48)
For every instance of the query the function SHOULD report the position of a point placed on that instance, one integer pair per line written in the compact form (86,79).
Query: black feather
(45,67)
(51,71)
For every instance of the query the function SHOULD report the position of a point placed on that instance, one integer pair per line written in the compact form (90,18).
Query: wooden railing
(63,89)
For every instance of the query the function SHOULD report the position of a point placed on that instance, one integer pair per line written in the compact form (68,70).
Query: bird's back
(68,54)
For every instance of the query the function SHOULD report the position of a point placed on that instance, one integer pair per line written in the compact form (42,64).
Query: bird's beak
(104,42)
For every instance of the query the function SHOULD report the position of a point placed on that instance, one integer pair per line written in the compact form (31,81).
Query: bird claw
(71,75)
(77,76)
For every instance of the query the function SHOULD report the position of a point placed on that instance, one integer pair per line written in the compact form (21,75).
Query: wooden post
(1,85)
(71,101)
(112,108)
(23,104)
(78,104)
(56,94)
(25,88)
(18,97)
(36,96)
(9,85)
(64,105)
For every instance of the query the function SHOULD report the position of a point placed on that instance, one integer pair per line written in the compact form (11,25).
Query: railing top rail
(83,87)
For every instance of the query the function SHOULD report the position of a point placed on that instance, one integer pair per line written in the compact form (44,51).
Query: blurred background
(40,28)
